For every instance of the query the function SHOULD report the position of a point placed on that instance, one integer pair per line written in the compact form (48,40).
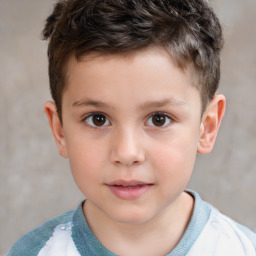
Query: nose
(126,149)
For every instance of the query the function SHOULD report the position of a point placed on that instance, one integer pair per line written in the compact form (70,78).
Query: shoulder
(241,237)
(223,235)
(223,221)
(249,233)
(32,242)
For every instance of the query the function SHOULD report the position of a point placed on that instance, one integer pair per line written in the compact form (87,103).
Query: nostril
(128,160)
(127,149)
(128,163)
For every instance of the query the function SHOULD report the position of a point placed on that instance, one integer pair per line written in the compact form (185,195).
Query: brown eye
(159,120)
(97,120)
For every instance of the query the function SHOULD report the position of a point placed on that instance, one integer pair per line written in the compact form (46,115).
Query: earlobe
(56,127)
(210,123)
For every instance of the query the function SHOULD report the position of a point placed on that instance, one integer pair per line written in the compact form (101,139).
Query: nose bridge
(127,148)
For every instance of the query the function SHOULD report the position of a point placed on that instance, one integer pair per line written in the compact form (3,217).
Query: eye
(159,120)
(97,120)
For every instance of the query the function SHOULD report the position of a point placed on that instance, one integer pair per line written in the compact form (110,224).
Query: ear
(56,127)
(210,123)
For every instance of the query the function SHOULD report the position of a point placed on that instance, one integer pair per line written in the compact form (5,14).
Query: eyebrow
(93,103)
(162,103)
(147,104)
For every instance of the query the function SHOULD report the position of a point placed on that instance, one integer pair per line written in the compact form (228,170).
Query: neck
(158,236)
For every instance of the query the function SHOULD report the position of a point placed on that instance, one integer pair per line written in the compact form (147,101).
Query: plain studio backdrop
(36,183)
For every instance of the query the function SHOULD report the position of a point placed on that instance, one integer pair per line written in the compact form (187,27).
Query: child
(134,85)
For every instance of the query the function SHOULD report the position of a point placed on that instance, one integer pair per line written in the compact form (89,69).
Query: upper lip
(127,183)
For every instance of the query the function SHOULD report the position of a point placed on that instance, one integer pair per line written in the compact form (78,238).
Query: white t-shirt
(209,233)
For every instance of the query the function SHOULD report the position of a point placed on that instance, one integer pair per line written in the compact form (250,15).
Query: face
(131,128)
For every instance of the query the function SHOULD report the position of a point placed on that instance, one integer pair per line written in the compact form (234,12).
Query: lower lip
(129,193)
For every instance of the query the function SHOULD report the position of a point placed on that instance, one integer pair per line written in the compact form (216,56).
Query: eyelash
(86,120)
(162,114)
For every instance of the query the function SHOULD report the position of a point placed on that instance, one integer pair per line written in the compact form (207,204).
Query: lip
(129,190)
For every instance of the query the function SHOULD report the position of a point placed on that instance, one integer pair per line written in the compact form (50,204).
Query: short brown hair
(188,29)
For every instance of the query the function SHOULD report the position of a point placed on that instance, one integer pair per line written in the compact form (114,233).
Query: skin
(128,93)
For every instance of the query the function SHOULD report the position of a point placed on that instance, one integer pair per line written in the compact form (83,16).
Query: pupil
(99,120)
(158,120)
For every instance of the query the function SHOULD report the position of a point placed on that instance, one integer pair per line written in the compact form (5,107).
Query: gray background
(35,182)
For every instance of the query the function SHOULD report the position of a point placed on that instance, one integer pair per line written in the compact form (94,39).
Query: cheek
(175,160)
(85,172)
(85,160)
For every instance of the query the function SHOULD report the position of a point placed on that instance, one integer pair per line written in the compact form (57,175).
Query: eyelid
(84,118)
(163,114)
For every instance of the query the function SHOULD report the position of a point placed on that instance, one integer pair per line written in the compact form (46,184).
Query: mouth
(129,190)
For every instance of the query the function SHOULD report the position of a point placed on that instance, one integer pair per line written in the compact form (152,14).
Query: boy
(134,85)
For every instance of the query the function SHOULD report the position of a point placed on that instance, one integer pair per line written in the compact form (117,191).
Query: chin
(130,216)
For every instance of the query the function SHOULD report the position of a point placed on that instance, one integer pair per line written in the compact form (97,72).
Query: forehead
(156,57)
(151,71)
